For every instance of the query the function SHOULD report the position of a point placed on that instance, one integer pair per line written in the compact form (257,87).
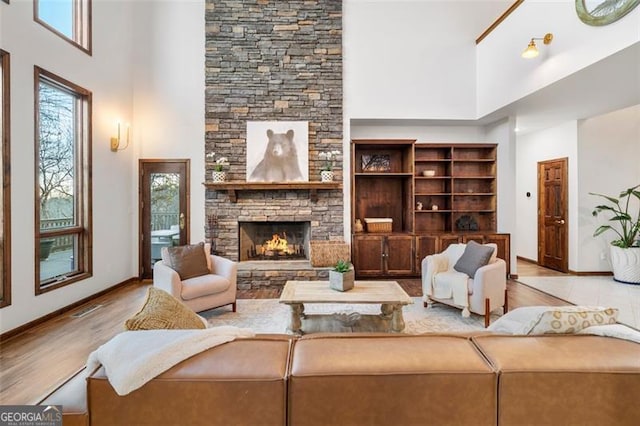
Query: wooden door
(399,255)
(164,209)
(367,255)
(552,214)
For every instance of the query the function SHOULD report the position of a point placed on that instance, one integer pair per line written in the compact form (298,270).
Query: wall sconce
(532,50)
(115,141)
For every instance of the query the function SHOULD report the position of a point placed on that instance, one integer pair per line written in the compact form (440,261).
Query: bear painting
(280,162)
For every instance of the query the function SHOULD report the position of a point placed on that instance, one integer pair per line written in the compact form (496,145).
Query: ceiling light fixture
(532,50)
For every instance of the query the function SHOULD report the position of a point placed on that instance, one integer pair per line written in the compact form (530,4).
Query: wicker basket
(327,253)
(379,224)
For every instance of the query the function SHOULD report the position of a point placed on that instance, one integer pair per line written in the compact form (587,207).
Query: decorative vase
(358,227)
(219,176)
(326,176)
(625,263)
(342,281)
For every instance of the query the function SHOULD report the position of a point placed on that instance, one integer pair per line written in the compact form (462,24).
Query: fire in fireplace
(273,240)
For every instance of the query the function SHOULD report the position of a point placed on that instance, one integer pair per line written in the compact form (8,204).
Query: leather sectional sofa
(368,379)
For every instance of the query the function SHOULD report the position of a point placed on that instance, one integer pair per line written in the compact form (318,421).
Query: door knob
(181,220)
(561,221)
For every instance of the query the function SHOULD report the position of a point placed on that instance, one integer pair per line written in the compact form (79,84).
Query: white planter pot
(342,281)
(625,263)
(219,176)
(326,176)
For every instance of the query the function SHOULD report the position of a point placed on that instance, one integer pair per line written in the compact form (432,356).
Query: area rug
(270,316)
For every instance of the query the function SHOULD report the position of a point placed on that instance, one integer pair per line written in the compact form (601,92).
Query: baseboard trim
(525,259)
(24,327)
(591,273)
(513,276)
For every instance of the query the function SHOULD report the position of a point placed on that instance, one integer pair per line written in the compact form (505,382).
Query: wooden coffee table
(388,294)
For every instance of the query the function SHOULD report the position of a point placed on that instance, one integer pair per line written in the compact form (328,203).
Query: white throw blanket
(133,358)
(454,286)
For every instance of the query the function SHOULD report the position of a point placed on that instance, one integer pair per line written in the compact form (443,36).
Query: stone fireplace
(278,241)
(273,61)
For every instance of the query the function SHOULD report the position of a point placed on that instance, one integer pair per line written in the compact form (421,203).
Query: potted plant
(326,172)
(218,174)
(342,276)
(625,250)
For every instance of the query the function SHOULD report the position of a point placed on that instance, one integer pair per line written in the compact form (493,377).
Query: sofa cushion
(203,285)
(564,380)
(382,379)
(188,261)
(473,258)
(242,382)
(163,311)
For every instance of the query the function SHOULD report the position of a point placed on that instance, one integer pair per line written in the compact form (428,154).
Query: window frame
(82,30)
(5,62)
(82,184)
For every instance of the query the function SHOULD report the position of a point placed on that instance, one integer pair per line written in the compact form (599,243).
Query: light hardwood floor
(38,360)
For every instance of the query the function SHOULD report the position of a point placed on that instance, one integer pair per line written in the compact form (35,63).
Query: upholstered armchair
(480,293)
(215,287)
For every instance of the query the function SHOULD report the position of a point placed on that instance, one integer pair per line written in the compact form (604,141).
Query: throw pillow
(570,319)
(207,253)
(618,331)
(514,321)
(163,311)
(473,258)
(188,261)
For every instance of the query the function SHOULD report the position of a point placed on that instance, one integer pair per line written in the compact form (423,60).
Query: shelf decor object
(218,177)
(326,176)
(376,163)
(603,12)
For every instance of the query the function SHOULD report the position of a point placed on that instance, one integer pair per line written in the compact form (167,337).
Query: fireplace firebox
(273,241)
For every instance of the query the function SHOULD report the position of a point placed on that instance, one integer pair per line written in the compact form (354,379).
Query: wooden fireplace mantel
(233,187)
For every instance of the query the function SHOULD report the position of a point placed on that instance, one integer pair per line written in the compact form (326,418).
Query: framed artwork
(603,12)
(376,163)
(277,151)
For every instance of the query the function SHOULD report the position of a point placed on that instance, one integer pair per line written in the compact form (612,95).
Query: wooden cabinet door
(504,249)
(399,255)
(480,239)
(367,255)
(447,240)
(425,245)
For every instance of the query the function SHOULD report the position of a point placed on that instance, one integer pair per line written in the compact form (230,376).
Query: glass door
(163,210)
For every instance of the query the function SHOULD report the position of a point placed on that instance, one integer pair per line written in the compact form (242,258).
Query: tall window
(5,196)
(70,19)
(63,192)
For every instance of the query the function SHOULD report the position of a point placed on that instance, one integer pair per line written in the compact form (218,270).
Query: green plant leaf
(601,229)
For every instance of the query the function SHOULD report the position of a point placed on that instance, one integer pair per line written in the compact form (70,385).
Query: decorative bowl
(429,173)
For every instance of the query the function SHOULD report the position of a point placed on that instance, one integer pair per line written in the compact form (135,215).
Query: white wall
(169,73)
(503,134)
(609,162)
(504,77)
(106,73)
(413,59)
(556,142)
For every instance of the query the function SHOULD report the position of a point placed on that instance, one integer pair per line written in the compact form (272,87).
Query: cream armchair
(202,292)
(480,295)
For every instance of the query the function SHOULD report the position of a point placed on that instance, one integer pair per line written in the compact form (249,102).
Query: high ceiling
(610,84)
